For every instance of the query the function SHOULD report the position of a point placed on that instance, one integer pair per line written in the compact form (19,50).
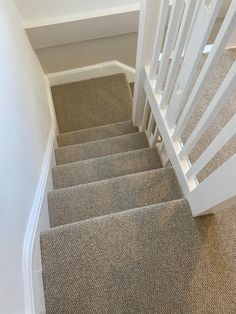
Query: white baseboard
(31,247)
(93,71)
(39,222)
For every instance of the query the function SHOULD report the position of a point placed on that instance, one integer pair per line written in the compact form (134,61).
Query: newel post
(147,28)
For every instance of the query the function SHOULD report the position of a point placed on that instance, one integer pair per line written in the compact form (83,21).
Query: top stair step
(97,133)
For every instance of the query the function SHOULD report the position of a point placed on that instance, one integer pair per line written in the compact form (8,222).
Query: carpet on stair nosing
(97,133)
(81,202)
(100,148)
(157,259)
(105,167)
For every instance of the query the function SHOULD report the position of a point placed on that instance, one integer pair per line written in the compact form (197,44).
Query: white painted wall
(25,125)
(36,11)
(81,54)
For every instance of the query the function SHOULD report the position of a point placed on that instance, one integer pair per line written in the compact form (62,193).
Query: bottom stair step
(137,261)
(113,195)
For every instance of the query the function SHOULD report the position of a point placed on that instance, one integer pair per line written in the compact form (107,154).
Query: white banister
(180,44)
(210,64)
(162,18)
(201,31)
(147,23)
(225,90)
(171,34)
(221,139)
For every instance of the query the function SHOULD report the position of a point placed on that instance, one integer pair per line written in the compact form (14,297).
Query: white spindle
(207,70)
(148,17)
(155,137)
(201,31)
(217,102)
(221,139)
(173,71)
(150,125)
(170,39)
(162,18)
(145,116)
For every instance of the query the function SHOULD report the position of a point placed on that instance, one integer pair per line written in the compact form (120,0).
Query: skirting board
(38,222)
(32,276)
(93,71)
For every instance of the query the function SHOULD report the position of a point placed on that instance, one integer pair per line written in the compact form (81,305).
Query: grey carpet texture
(105,167)
(122,238)
(100,148)
(112,195)
(153,260)
(91,103)
(97,133)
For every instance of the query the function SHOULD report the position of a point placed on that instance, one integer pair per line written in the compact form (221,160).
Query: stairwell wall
(26,131)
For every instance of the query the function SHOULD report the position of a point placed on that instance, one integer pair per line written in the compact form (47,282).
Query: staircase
(122,237)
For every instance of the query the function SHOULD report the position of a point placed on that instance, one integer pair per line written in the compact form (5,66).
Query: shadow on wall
(63,57)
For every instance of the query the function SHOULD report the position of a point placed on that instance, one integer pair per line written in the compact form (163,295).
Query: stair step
(97,133)
(137,261)
(102,168)
(100,148)
(112,195)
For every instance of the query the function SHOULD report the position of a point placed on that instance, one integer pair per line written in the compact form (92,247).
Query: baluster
(159,37)
(217,102)
(207,70)
(201,31)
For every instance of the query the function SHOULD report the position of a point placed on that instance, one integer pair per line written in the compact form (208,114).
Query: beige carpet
(92,103)
(122,239)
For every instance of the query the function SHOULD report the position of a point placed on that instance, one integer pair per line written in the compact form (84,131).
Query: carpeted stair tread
(96,169)
(138,261)
(97,133)
(112,195)
(94,102)
(100,148)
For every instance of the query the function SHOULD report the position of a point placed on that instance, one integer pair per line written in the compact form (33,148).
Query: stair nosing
(183,199)
(95,127)
(103,157)
(107,138)
(109,179)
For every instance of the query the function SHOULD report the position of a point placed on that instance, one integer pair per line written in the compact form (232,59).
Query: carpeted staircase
(122,238)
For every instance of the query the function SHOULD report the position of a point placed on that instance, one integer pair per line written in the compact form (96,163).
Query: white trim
(31,230)
(31,233)
(89,72)
(81,17)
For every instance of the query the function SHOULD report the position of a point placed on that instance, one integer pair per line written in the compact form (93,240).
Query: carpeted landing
(122,238)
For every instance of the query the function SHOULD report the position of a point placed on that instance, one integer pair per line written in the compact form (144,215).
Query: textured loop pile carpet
(122,237)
